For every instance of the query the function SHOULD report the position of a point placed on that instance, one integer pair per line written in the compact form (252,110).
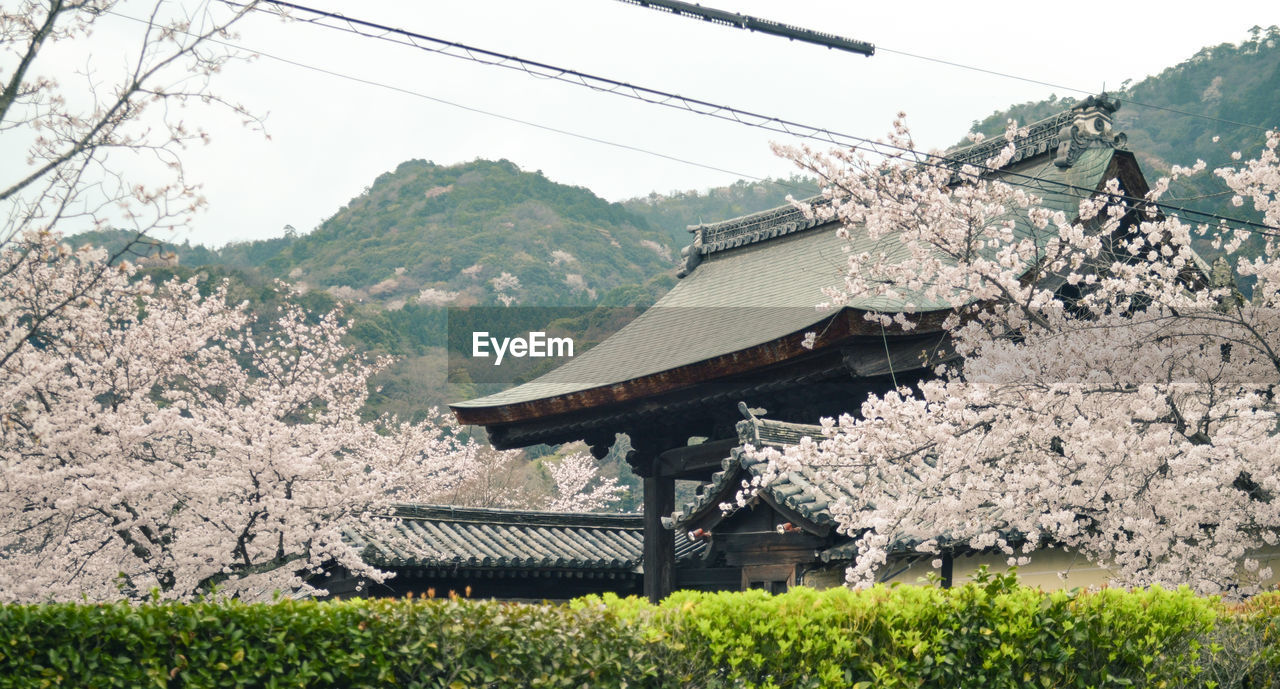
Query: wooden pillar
(659,541)
(948,568)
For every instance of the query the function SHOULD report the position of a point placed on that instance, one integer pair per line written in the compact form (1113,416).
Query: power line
(480,111)
(749,23)
(1029,80)
(831,41)
(360,27)
(508,118)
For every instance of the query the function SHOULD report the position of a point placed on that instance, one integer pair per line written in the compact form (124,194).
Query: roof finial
(1090,125)
(747,428)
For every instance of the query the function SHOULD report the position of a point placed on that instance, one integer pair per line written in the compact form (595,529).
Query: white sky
(330,137)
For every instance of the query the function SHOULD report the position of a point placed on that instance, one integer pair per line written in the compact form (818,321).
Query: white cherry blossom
(154,439)
(1115,395)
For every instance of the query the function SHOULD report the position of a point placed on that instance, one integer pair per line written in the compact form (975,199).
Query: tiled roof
(799,491)
(803,492)
(756,227)
(1067,134)
(756,293)
(433,537)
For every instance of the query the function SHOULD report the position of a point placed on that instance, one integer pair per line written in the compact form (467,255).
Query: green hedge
(987,634)
(981,635)
(357,643)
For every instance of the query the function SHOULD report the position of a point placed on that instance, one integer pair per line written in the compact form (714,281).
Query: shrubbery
(987,634)
(357,643)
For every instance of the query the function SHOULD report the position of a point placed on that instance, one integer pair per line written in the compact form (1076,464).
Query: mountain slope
(427,229)
(1216,102)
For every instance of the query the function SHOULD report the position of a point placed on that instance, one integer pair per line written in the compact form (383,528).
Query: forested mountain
(425,237)
(1219,101)
(1233,84)
(449,233)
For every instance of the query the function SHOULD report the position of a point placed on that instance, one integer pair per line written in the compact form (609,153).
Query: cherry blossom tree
(507,479)
(578,486)
(503,286)
(154,439)
(503,480)
(1114,396)
(103,137)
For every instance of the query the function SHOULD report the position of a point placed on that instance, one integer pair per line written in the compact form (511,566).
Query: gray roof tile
(742,297)
(799,491)
(427,536)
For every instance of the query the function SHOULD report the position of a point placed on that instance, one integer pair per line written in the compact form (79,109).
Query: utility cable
(750,23)
(362,27)
(479,111)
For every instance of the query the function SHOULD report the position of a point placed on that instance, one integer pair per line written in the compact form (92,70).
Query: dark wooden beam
(659,541)
(866,360)
(696,462)
(845,374)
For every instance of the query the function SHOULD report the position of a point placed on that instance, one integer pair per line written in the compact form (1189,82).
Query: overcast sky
(331,136)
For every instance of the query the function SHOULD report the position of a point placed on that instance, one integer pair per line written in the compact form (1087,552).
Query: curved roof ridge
(1065,135)
(499,515)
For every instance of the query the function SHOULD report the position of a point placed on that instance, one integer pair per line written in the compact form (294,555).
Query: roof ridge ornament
(1087,124)
(1091,124)
(1222,277)
(1067,134)
(749,428)
(690,256)
(709,238)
